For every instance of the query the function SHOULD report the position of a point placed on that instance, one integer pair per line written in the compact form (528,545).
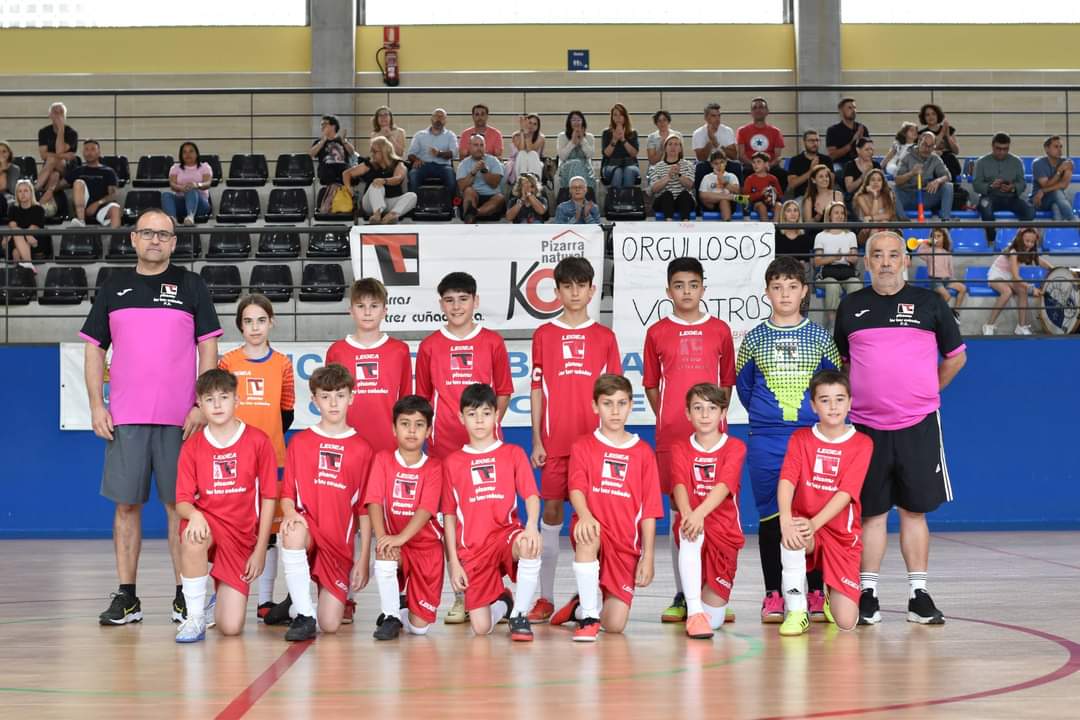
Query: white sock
(917,581)
(577,612)
(675,555)
(387,582)
(269,575)
(793,579)
(549,559)
(716,615)
(498,612)
(298,580)
(459,596)
(528,574)
(194,590)
(689,566)
(409,627)
(868,581)
(588,587)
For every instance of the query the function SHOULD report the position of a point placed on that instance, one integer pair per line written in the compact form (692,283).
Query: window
(150,13)
(555,12)
(979,12)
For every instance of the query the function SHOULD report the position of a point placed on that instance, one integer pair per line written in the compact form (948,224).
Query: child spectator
(937,254)
(719,189)
(762,187)
(1004,278)
(905,139)
(836,255)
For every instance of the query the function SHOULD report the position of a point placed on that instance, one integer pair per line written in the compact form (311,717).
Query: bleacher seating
(215,169)
(294,170)
(137,201)
(273,281)
(327,244)
(239,206)
(1062,240)
(287,205)
(28,166)
(153,171)
(223,281)
(120,166)
(18,285)
(120,248)
(64,286)
(322,282)
(279,244)
(43,251)
(102,275)
(969,240)
(231,245)
(188,246)
(435,203)
(80,248)
(975,279)
(248,171)
(626,203)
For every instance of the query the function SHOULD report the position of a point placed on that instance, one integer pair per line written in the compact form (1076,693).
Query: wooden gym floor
(1010,650)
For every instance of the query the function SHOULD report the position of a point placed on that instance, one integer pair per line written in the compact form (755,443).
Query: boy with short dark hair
(326,471)
(719,190)
(403,501)
(820,510)
(568,354)
(706,469)
(762,187)
(616,497)
(226,490)
(685,348)
(776,361)
(484,538)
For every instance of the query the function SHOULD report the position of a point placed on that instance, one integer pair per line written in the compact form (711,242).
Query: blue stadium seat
(676,216)
(922,277)
(1076,201)
(1003,237)
(1034,274)
(1028,162)
(965,214)
(975,279)
(1062,240)
(1004,215)
(1044,214)
(969,240)
(736,214)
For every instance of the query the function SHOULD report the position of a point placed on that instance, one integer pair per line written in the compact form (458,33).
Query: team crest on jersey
(367,370)
(256,387)
(785,350)
(461,360)
(905,309)
(225,469)
(705,473)
(573,349)
(404,489)
(614,470)
(827,465)
(330,460)
(483,474)
(168,290)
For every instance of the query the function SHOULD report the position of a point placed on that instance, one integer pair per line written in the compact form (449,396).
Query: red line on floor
(247,699)
(1006,552)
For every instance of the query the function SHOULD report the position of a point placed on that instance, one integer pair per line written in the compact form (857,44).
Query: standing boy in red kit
(820,511)
(686,348)
(616,499)
(326,471)
(568,354)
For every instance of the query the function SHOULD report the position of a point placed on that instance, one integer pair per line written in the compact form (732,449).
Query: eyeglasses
(162,235)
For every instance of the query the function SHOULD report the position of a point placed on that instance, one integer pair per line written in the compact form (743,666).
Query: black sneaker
(123,609)
(264,608)
(869,608)
(302,628)
(179,609)
(921,609)
(508,598)
(520,629)
(387,627)
(279,614)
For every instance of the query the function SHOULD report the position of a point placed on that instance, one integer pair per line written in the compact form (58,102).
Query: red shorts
(279,514)
(719,561)
(228,554)
(486,566)
(618,568)
(554,478)
(663,469)
(331,563)
(839,562)
(420,576)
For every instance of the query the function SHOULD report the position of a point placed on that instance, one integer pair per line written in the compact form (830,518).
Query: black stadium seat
(120,248)
(188,245)
(44,250)
(102,275)
(136,201)
(64,286)
(284,245)
(28,166)
(120,166)
(294,170)
(215,169)
(233,245)
(326,244)
(248,171)
(18,285)
(239,206)
(322,282)
(273,281)
(153,171)
(624,203)
(223,281)
(80,248)
(434,203)
(287,205)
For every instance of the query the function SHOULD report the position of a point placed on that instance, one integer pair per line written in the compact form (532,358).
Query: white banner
(513,268)
(735,256)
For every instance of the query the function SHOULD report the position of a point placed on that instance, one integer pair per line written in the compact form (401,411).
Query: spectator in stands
(762,187)
(527,203)
(385,200)
(189,186)
(714,135)
(94,188)
(332,149)
(432,151)
(759,136)
(526,149)
(803,164)
(478,179)
(836,255)
(820,195)
(937,254)
(57,143)
(619,164)
(1004,278)
(575,147)
(874,202)
(905,139)
(382,125)
(999,181)
(719,189)
(24,214)
(671,181)
(493,140)
(863,163)
(1051,176)
(654,144)
(933,120)
(578,210)
(793,241)
(840,138)
(937,188)
(9,175)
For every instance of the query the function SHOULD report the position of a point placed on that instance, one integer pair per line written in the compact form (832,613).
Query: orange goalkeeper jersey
(264,389)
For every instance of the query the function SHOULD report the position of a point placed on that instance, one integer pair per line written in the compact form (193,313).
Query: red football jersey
(620,484)
(566,362)
(679,355)
(383,373)
(819,468)
(481,488)
(326,477)
(699,470)
(445,366)
(403,489)
(228,482)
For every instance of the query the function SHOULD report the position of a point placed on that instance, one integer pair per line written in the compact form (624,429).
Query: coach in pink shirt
(493,139)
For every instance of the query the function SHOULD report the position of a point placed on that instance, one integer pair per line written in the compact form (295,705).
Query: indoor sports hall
(911,173)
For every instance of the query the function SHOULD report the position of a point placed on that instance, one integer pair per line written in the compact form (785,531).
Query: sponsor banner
(735,256)
(306,358)
(513,268)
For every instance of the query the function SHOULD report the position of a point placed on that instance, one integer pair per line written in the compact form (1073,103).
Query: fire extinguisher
(389,51)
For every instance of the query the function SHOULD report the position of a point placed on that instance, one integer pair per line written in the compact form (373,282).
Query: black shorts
(907,469)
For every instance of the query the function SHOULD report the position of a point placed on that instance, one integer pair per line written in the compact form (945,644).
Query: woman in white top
(527,150)
(906,137)
(1004,278)
(654,143)
(382,125)
(836,255)
(575,148)
(671,181)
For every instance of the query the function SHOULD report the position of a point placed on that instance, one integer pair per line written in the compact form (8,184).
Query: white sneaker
(988,329)
(76,222)
(1022,330)
(191,630)
(189,220)
(211,604)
